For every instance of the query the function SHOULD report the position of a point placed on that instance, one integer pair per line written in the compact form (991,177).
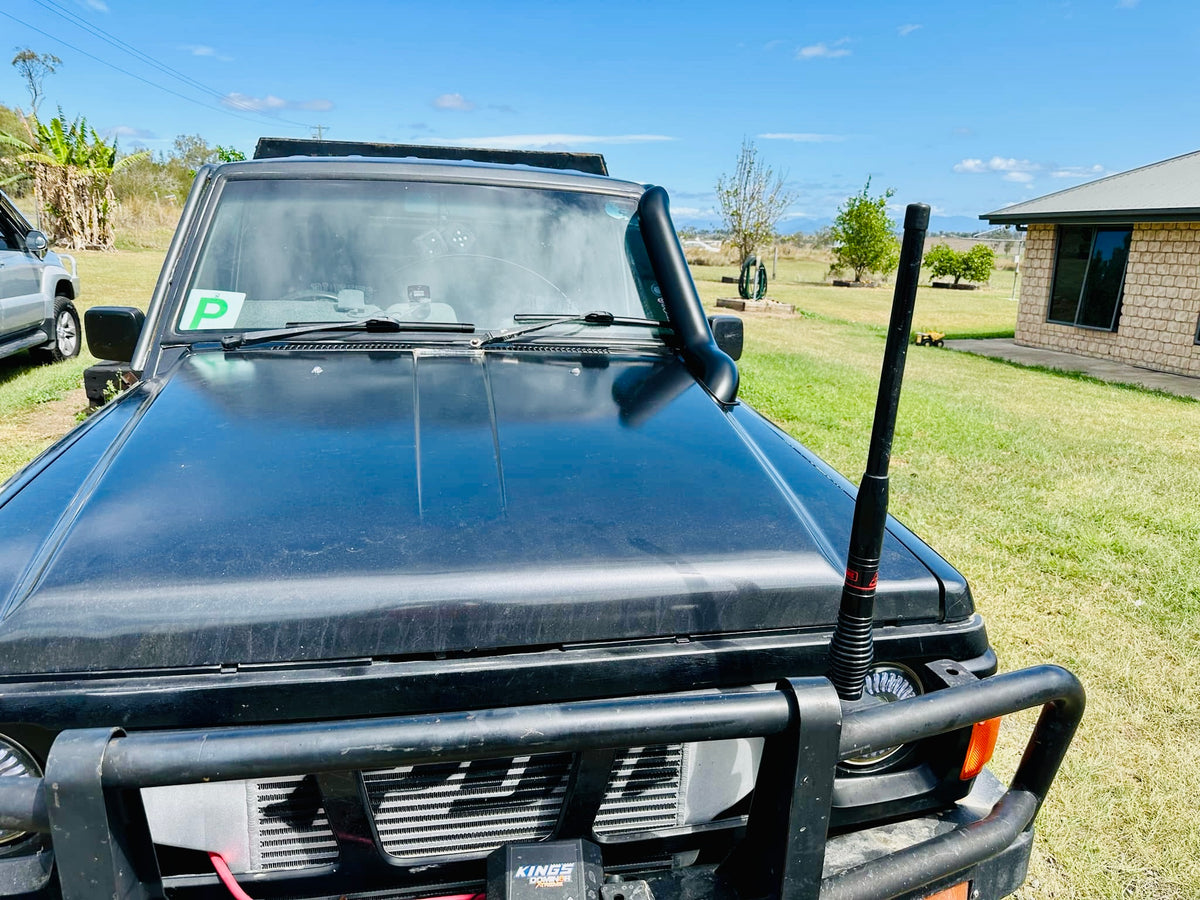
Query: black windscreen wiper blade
(542,320)
(378,324)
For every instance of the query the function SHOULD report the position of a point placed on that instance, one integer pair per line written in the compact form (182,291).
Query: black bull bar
(89,804)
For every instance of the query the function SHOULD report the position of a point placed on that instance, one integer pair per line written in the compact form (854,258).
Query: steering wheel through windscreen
(487,290)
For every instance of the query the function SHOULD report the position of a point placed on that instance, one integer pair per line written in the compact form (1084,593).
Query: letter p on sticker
(205,310)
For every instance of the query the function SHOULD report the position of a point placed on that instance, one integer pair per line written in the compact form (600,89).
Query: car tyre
(68,336)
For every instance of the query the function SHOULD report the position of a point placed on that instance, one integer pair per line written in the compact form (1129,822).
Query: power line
(96,31)
(117,68)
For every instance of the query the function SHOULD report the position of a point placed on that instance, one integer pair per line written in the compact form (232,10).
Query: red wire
(235,889)
(227,878)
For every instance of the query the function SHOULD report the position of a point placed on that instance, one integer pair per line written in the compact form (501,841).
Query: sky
(967,106)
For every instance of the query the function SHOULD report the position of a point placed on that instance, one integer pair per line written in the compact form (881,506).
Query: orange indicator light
(981,748)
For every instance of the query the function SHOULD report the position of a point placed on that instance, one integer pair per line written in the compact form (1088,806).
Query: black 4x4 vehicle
(432,549)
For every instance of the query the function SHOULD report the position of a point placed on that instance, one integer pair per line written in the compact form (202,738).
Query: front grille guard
(89,803)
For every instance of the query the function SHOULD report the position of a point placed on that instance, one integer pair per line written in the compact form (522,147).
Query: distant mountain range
(964,224)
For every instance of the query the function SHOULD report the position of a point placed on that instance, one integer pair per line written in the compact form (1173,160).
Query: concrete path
(1105,370)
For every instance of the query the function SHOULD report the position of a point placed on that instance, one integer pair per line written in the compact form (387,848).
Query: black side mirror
(728,333)
(112,331)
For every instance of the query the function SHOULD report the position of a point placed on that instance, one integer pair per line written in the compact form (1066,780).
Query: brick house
(1112,268)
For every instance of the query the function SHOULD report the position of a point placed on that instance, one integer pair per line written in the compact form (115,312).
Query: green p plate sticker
(211,309)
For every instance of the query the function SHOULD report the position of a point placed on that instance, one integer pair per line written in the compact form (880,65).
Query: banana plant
(60,144)
(71,165)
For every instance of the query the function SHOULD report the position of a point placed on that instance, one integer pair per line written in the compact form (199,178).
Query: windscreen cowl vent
(332,346)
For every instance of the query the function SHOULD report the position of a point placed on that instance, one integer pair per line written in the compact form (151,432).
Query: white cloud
(1078,171)
(205,50)
(998,164)
(1127,4)
(528,141)
(97,5)
(271,103)
(456,102)
(823,50)
(906,30)
(802,137)
(128,131)
(1023,171)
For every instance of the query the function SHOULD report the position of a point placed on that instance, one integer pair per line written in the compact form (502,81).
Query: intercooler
(462,809)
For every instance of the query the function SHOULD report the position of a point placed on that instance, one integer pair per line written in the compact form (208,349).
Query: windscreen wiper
(376,324)
(541,320)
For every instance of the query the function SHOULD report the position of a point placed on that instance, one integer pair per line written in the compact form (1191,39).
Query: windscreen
(283,251)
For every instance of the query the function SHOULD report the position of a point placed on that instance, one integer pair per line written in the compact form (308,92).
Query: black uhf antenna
(852,649)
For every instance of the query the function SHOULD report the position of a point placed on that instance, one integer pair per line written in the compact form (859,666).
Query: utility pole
(319,132)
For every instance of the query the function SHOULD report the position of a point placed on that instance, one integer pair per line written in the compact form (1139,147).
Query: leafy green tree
(978,263)
(942,262)
(864,235)
(228,154)
(975,264)
(752,201)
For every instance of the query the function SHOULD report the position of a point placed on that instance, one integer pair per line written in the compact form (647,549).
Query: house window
(1089,275)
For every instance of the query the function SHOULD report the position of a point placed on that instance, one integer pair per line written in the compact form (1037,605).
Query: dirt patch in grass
(26,433)
(47,421)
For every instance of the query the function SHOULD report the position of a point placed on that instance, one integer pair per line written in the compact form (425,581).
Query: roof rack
(274,148)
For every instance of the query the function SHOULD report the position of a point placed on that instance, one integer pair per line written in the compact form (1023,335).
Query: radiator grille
(288,827)
(467,807)
(643,793)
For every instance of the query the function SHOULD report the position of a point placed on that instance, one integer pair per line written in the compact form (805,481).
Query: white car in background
(37,292)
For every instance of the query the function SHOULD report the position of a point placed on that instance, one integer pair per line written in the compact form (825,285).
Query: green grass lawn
(801,282)
(39,403)
(1070,506)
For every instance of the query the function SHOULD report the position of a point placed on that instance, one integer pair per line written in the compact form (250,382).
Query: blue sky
(966,106)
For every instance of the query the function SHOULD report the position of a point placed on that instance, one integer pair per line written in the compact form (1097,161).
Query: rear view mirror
(727,330)
(112,331)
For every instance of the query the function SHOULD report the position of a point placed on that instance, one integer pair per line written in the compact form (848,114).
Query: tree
(192,151)
(864,235)
(12,173)
(752,201)
(975,264)
(33,68)
(228,154)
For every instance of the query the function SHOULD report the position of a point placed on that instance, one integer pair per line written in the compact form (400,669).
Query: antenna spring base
(851,653)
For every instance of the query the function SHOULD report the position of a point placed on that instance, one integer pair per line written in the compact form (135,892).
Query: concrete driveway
(1103,369)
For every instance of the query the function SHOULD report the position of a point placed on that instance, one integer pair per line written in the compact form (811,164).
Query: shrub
(975,264)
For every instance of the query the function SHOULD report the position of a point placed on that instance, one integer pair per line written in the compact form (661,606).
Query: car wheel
(67,333)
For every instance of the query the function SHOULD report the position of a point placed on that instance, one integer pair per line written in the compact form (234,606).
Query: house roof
(1167,191)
